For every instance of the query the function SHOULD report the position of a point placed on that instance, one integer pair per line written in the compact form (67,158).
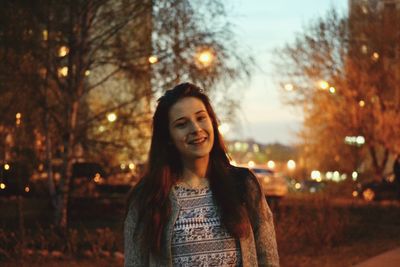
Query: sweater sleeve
(132,250)
(263,226)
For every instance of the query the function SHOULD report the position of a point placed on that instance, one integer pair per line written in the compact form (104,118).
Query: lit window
(375,56)
(45,35)
(63,72)
(63,51)
(364,49)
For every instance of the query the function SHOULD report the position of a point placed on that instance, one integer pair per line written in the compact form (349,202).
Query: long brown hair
(164,167)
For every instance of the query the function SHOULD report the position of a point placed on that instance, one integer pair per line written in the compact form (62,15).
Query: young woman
(192,208)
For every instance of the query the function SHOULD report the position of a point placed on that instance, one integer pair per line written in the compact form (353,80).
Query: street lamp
(355,140)
(291,164)
(111,117)
(323,85)
(204,57)
(354,175)
(360,140)
(153,59)
(131,166)
(289,87)
(271,164)
(316,175)
(18,117)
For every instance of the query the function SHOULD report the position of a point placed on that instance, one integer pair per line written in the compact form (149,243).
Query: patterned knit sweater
(199,238)
(257,249)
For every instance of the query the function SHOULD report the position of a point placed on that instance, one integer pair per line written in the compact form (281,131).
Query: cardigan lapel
(248,250)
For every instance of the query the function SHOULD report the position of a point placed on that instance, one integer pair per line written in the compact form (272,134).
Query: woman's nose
(195,127)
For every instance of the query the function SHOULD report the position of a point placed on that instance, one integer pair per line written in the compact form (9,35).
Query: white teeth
(197,141)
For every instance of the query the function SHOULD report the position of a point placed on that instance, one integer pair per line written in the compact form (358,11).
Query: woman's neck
(195,171)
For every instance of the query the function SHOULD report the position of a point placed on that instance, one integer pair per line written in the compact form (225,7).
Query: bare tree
(90,59)
(339,74)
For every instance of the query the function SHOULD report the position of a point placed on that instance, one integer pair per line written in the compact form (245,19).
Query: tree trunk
(49,156)
(68,163)
(378,165)
(20,200)
(49,159)
(74,91)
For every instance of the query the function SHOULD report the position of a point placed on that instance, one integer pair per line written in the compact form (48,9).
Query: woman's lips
(197,141)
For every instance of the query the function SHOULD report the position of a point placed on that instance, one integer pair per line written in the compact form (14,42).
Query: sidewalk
(389,258)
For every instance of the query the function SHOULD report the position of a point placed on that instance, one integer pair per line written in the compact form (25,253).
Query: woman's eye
(201,118)
(180,125)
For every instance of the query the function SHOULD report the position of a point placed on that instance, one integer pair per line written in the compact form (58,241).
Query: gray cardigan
(258,249)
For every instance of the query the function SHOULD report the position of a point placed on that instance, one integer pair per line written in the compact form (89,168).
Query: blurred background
(307,94)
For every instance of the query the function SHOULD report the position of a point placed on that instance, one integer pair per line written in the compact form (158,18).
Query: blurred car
(85,177)
(88,170)
(377,190)
(118,182)
(273,184)
(311,186)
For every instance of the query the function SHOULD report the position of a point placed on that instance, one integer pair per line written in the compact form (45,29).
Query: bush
(311,224)
(44,242)
(342,189)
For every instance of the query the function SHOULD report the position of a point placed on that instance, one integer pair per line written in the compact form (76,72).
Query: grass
(324,232)
(340,255)
(65,263)
(311,231)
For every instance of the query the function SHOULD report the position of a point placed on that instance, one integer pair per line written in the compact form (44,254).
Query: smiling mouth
(197,141)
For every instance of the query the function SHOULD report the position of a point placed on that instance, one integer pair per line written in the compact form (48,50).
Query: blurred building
(245,152)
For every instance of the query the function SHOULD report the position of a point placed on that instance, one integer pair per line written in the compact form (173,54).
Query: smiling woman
(191,130)
(192,207)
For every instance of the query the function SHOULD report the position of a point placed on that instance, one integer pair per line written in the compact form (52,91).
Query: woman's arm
(132,242)
(262,224)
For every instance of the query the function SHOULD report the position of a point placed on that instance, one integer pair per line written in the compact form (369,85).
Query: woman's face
(191,129)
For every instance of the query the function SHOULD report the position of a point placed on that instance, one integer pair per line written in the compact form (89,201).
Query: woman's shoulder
(242,172)
(244,175)
(134,195)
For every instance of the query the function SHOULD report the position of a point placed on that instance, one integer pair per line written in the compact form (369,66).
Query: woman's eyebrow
(201,111)
(196,113)
(181,118)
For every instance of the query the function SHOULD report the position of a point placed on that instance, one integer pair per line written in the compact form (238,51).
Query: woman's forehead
(185,107)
